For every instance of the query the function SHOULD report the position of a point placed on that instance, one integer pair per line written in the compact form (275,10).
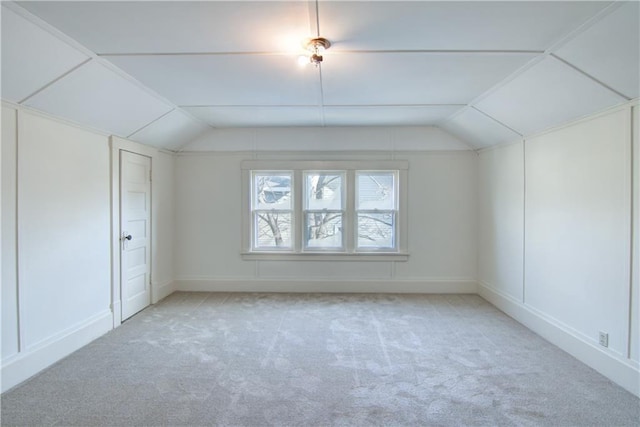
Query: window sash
(287,231)
(255,204)
(358,191)
(307,174)
(307,228)
(393,230)
(394,211)
(263,211)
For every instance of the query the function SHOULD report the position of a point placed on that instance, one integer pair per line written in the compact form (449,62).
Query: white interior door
(135,232)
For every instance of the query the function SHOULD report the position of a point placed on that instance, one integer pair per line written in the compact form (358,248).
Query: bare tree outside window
(324,205)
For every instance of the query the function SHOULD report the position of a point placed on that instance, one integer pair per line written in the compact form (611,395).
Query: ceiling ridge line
(54,81)
(321,89)
(247,105)
(344,51)
(317,18)
(316,105)
(323,121)
(312,12)
(589,76)
(394,105)
(212,53)
(452,51)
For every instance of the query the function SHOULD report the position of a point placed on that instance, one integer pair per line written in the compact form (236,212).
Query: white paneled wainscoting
(58,291)
(543,227)
(556,246)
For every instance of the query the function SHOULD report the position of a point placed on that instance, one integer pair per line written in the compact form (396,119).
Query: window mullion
(349,225)
(298,211)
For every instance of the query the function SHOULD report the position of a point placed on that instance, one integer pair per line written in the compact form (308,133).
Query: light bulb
(303,60)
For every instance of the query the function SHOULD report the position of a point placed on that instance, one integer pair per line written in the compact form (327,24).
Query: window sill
(307,256)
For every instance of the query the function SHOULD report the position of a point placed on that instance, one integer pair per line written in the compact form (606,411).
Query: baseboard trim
(162,290)
(617,370)
(329,286)
(117,313)
(25,365)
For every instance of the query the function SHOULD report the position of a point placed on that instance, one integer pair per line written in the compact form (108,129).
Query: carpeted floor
(315,360)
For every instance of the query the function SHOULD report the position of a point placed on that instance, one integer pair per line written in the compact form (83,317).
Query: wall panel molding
(623,371)
(30,362)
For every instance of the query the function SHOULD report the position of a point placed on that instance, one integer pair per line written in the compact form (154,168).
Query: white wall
(442,228)
(56,252)
(576,184)
(163,212)
(63,227)
(634,350)
(59,300)
(577,228)
(501,219)
(9,266)
(327,139)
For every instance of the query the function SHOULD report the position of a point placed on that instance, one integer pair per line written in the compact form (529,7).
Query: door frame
(117,145)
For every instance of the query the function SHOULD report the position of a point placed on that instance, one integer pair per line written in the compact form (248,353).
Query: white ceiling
(163,73)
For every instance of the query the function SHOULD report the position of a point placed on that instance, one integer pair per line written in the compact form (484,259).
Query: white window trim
(298,252)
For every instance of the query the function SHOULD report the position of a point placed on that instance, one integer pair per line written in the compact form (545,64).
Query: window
(376,209)
(272,210)
(324,210)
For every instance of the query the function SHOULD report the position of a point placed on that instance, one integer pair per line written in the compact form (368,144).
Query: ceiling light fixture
(315,47)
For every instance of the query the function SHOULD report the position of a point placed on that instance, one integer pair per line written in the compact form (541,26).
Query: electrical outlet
(604,339)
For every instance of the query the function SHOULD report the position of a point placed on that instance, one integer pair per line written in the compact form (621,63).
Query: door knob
(128,237)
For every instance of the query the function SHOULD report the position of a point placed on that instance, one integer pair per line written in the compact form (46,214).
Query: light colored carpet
(315,360)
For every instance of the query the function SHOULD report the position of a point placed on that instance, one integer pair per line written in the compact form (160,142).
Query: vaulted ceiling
(163,73)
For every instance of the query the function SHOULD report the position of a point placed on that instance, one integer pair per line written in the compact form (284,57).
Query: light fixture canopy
(316,46)
(318,43)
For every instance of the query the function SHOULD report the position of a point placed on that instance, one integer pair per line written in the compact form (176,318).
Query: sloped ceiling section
(165,73)
(47,71)
(595,67)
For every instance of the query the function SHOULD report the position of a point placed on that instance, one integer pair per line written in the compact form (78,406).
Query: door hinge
(111,307)
(150,175)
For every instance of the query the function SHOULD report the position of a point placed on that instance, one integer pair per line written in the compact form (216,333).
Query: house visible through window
(330,210)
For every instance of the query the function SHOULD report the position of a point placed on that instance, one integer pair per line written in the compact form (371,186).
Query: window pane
(273,230)
(375,230)
(323,230)
(376,190)
(323,191)
(272,191)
